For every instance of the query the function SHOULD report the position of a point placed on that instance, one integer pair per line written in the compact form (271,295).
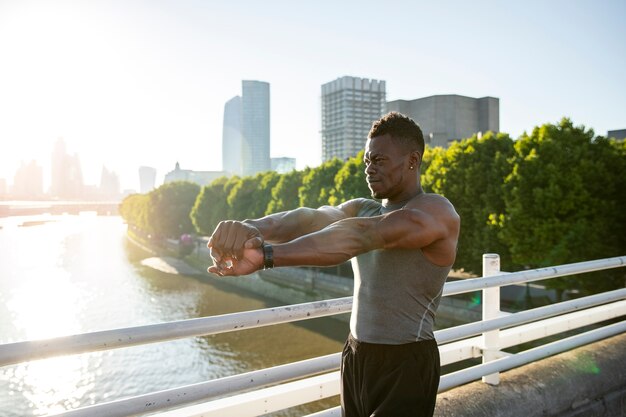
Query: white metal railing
(313,379)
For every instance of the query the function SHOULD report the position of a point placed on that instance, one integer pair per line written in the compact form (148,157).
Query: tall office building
(617,134)
(147,178)
(28,181)
(231,137)
(109,184)
(349,106)
(246,130)
(447,118)
(67,176)
(255,127)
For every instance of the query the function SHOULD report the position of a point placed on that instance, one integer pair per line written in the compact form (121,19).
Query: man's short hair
(401,128)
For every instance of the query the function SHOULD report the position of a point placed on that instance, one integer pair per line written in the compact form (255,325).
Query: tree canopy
(551,197)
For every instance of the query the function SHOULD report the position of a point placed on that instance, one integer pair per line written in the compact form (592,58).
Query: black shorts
(389,380)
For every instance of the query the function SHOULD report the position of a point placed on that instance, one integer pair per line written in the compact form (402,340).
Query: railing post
(491,309)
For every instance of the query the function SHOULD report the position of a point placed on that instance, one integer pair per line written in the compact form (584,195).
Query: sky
(128,83)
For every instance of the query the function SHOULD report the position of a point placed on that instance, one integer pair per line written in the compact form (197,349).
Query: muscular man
(401,250)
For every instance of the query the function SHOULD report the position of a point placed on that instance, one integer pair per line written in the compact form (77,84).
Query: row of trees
(553,196)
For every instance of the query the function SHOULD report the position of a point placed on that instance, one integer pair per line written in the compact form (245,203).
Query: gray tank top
(396,291)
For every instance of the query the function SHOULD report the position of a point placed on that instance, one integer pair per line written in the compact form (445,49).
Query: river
(70,274)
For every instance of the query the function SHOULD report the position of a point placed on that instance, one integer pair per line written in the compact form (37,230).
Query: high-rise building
(109,184)
(231,137)
(255,127)
(349,106)
(28,181)
(147,179)
(617,134)
(446,118)
(67,176)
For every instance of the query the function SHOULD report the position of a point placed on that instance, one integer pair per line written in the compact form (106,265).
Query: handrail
(464,376)
(17,352)
(12,353)
(208,390)
(117,338)
(510,278)
(471,329)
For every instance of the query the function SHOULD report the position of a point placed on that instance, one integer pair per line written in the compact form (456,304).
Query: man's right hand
(231,237)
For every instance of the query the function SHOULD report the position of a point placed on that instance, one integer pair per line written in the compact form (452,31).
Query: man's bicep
(410,229)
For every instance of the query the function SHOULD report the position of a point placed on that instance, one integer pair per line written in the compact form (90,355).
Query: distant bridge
(29,208)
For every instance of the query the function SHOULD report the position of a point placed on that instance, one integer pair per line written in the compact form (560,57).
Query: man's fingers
(255,242)
(220,271)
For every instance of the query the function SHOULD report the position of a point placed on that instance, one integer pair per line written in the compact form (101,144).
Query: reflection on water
(72,274)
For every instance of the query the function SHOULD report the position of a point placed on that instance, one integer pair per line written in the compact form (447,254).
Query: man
(401,249)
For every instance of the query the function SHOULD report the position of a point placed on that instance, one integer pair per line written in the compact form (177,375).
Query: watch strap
(268,256)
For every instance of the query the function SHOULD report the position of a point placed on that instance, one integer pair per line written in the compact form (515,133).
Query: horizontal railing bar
(162,400)
(117,338)
(510,278)
(12,353)
(575,317)
(271,399)
(514,336)
(474,373)
(470,374)
(471,329)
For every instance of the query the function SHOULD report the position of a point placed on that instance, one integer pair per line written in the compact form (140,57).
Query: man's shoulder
(435,204)
(358,206)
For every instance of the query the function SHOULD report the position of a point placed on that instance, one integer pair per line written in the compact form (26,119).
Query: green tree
(428,177)
(210,207)
(350,181)
(471,173)
(134,210)
(318,183)
(285,192)
(565,201)
(263,193)
(241,197)
(170,208)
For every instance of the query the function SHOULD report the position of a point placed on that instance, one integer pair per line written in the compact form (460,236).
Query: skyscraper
(446,118)
(147,178)
(28,181)
(349,106)
(231,137)
(255,129)
(67,176)
(109,184)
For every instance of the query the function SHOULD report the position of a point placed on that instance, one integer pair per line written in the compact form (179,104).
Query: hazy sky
(131,82)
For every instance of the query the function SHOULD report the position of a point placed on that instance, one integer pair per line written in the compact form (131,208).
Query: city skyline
(144,84)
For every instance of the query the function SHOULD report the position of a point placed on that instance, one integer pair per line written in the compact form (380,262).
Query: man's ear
(415,159)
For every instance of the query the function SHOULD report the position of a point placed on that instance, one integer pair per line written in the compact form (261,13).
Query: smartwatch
(268,256)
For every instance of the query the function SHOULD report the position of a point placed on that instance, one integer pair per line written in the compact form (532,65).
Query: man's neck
(400,201)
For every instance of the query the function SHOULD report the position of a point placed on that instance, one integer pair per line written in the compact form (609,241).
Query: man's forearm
(289,225)
(332,245)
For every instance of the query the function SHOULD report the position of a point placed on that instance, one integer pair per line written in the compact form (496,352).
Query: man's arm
(231,237)
(349,237)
